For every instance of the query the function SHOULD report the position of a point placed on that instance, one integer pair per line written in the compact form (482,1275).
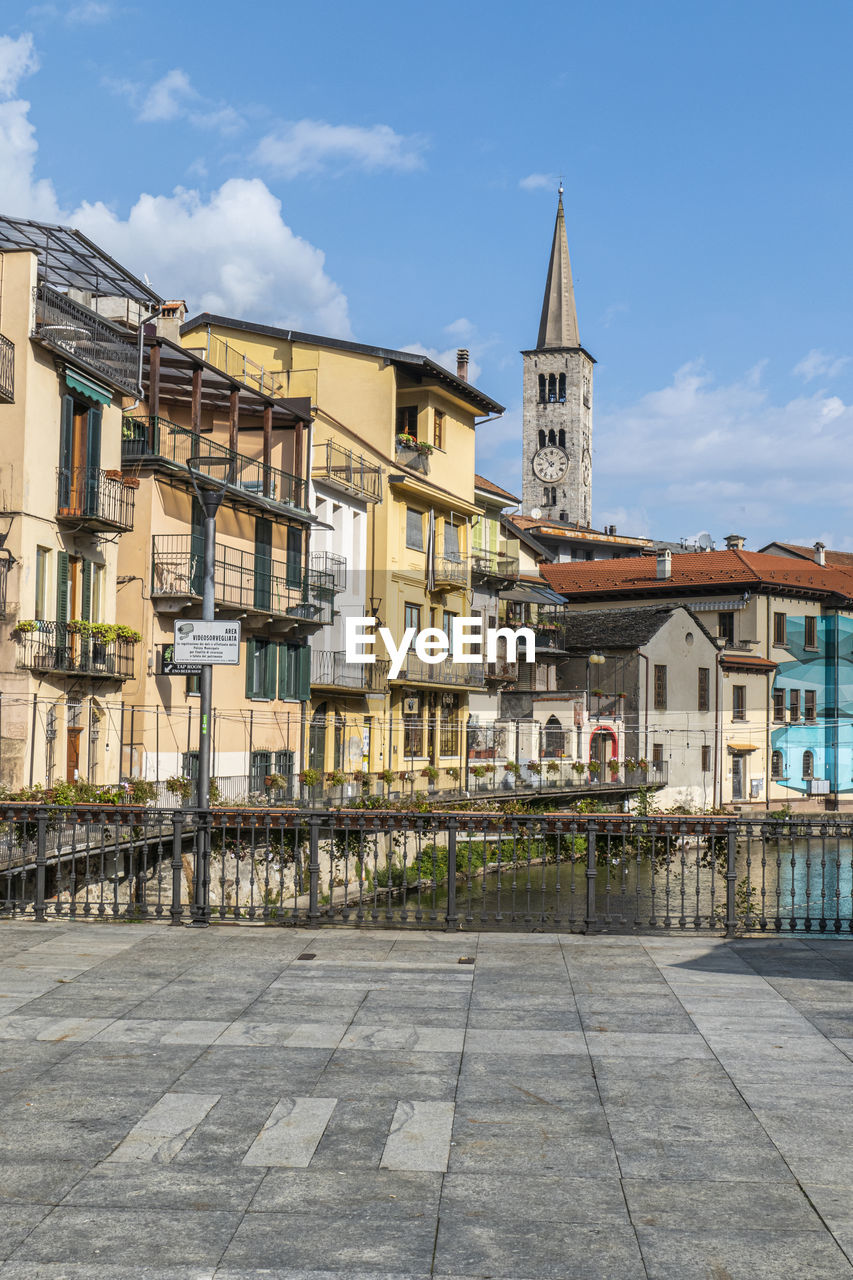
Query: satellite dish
(705,541)
(535,513)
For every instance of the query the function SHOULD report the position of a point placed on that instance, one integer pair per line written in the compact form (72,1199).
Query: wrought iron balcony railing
(107,350)
(491,564)
(501,670)
(258,584)
(7,370)
(157,438)
(98,499)
(346,470)
(451,571)
(446,672)
(331,670)
(328,562)
(5,566)
(54,647)
(410,456)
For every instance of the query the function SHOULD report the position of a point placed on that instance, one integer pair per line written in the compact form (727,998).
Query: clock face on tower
(550,463)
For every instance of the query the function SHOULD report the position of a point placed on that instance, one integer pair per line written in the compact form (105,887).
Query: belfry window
(552,436)
(562,388)
(552,389)
(561,437)
(541,438)
(542,388)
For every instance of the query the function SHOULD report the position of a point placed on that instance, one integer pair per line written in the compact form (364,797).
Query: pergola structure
(69,260)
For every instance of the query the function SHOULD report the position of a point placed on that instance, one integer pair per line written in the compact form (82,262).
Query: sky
(390,174)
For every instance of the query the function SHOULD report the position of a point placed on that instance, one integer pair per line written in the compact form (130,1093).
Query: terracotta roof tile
(480,482)
(838,559)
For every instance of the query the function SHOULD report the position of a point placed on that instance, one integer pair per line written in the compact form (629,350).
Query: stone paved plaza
(243,1102)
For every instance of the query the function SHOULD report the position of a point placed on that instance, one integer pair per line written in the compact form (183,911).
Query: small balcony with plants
(412,453)
(99,650)
(96,499)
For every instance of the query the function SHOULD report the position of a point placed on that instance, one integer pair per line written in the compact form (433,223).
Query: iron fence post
(313,869)
(731,878)
(176,910)
(201,865)
(591,919)
(41,864)
(451,918)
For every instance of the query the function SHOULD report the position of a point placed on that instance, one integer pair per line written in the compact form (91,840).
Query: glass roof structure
(69,260)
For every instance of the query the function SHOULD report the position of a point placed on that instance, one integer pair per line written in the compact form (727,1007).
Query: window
(414,529)
(260,767)
(660,688)
(438,429)
(779,628)
(552,389)
(794,705)
(811,632)
(542,393)
(192,687)
(407,421)
(561,438)
(726,627)
(738,701)
(260,668)
(553,738)
(810,704)
(42,570)
(779,706)
(98,597)
(777,765)
(550,496)
(294,672)
(189,765)
(562,391)
(451,541)
(412,616)
(448,737)
(413,736)
(552,436)
(79,457)
(808,764)
(657,755)
(541,438)
(706,759)
(704,700)
(447,622)
(294,556)
(262,586)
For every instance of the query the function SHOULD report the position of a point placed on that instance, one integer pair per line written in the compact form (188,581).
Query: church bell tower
(557,422)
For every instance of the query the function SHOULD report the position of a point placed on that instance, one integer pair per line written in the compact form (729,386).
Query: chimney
(819,553)
(735,542)
(462,364)
(664,564)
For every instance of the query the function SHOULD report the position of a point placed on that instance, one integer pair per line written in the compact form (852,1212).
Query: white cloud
(309,146)
(819,364)
(230,251)
(88,13)
(447,359)
(499,450)
(538,182)
(174,97)
(167,98)
(724,456)
(17,60)
(461,330)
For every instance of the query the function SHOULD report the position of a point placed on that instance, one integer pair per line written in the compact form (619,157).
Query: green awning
(88,387)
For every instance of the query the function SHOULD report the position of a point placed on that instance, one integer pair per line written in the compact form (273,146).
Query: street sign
(217,643)
(168,666)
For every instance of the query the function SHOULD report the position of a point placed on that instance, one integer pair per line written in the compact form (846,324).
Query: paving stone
(273,1072)
(741,1255)
(565,1251)
(419,1139)
(38,1182)
(492,1139)
(291,1133)
(355,1136)
(18,1221)
(358,1073)
(405,1036)
(167,1237)
(723,1206)
(163,1130)
(152,1186)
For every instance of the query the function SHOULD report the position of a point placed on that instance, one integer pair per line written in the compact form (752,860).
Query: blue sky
(391,173)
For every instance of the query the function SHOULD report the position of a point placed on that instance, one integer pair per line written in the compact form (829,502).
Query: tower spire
(558,326)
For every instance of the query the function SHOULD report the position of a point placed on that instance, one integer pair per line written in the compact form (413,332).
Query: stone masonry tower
(557,424)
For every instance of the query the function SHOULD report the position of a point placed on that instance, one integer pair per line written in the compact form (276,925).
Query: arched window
(541,438)
(562,388)
(777,765)
(552,436)
(542,388)
(808,764)
(552,388)
(561,438)
(553,738)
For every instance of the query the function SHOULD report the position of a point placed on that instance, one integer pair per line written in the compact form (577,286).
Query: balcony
(71,329)
(57,649)
(5,566)
(491,564)
(96,499)
(447,673)
(451,572)
(331,564)
(333,465)
(243,581)
(7,370)
(157,439)
(332,671)
(408,453)
(503,671)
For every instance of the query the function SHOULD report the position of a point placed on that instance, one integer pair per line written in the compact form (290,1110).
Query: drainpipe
(718,763)
(645,752)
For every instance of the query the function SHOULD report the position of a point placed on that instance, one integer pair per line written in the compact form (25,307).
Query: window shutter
(61,588)
(269,655)
(263,563)
(286,664)
(86,603)
(66,435)
(294,557)
(303,673)
(196,548)
(250,667)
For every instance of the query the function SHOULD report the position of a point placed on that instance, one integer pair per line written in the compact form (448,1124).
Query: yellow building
(68,361)
(392,439)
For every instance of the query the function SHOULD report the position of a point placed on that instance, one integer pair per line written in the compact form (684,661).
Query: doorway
(72,754)
(737,777)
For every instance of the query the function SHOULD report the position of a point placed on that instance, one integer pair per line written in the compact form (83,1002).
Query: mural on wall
(823,747)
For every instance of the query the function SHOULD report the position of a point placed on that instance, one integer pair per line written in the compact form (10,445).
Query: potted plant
(387,776)
(180,786)
(431,773)
(405,441)
(613,766)
(454,773)
(310,780)
(594,768)
(552,769)
(130,482)
(534,767)
(336,778)
(24,625)
(579,767)
(424,449)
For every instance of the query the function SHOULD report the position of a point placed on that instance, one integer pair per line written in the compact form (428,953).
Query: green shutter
(61,589)
(263,563)
(250,666)
(86,605)
(93,460)
(270,655)
(66,434)
(294,556)
(196,548)
(283,670)
(303,673)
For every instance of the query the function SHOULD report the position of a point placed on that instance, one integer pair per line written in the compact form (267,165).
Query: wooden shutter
(286,671)
(250,667)
(303,673)
(93,459)
(294,557)
(263,563)
(61,589)
(86,600)
(270,653)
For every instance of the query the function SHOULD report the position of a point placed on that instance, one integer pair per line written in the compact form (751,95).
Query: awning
(742,746)
(88,387)
(711,606)
(528,594)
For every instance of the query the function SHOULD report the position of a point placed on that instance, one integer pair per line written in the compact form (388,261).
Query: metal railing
(109,351)
(5,566)
(346,470)
(7,370)
(243,580)
(408,456)
(328,562)
(446,672)
(451,570)
(455,871)
(155,437)
(96,498)
(57,648)
(491,564)
(501,670)
(330,669)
